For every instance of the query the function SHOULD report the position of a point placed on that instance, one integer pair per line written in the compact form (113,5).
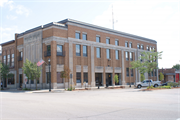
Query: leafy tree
(36,72)
(177,66)
(62,75)
(66,73)
(116,80)
(4,72)
(28,70)
(142,77)
(149,62)
(161,76)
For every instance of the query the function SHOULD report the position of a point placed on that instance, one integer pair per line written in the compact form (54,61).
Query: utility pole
(113,18)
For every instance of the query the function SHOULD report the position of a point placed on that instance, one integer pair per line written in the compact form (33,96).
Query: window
(59,50)
(107,41)
(47,77)
(98,52)
(78,77)
(78,50)
(108,53)
(147,48)
(149,74)
(84,36)
(116,42)
(130,45)
(4,59)
(138,46)
(131,57)
(97,39)
(142,47)
(140,58)
(8,60)
(117,54)
(11,80)
(86,77)
(127,57)
(85,51)
(155,73)
(152,73)
(48,47)
(127,72)
(126,44)
(131,72)
(77,35)
(12,60)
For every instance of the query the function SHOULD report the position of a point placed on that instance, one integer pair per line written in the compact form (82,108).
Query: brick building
(92,53)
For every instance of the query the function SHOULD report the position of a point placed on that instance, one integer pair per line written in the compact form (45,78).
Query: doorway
(98,78)
(108,79)
(20,80)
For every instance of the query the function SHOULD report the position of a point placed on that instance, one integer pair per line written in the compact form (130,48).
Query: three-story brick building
(91,52)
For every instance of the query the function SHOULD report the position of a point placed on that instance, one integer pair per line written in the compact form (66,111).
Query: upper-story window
(117,54)
(59,49)
(107,41)
(142,47)
(131,56)
(130,45)
(126,44)
(78,50)
(147,48)
(108,53)
(8,60)
(131,72)
(127,72)
(116,42)
(77,35)
(12,60)
(84,36)
(98,52)
(4,59)
(152,73)
(138,46)
(98,39)
(127,57)
(84,50)
(48,47)
(153,49)
(21,54)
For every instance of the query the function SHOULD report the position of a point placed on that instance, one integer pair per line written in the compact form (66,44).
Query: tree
(177,66)
(66,74)
(147,62)
(116,80)
(161,76)
(4,72)
(62,75)
(28,70)
(36,72)
(142,77)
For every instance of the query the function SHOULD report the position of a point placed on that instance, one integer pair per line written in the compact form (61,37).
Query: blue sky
(154,19)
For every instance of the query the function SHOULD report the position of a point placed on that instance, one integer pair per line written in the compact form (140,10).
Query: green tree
(161,76)
(4,73)
(142,77)
(116,80)
(177,66)
(28,70)
(65,74)
(36,72)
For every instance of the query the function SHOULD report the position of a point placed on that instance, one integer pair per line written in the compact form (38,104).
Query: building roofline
(106,29)
(8,42)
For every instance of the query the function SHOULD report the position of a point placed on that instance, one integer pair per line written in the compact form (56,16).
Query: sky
(155,19)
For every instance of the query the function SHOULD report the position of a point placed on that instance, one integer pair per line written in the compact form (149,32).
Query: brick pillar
(53,65)
(113,60)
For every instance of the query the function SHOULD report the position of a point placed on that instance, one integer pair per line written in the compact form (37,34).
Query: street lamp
(49,76)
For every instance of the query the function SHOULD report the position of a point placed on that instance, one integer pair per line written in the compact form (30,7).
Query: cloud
(156,20)
(2,2)
(11,17)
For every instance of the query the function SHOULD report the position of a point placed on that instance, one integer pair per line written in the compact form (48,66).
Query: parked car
(174,84)
(145,83)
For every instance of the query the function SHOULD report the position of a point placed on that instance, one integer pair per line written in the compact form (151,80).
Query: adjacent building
(91,52)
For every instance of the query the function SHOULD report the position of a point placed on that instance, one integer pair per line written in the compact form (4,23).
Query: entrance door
(98,78)
(20,80)
(108,79)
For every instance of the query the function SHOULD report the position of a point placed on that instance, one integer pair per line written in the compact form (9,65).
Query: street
(112,104)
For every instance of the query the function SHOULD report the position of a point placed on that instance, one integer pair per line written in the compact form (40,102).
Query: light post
(49,76)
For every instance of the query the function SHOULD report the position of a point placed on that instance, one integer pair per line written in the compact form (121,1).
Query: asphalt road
(113,104)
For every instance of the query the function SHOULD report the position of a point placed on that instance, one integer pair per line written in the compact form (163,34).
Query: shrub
(173,84)
(151,87)
(162,87)
(26,89)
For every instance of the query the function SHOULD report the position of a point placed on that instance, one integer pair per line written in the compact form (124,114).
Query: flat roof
(8,42)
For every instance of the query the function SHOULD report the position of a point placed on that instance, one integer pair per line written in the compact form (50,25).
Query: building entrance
(20,80)
(108,79)
(98,78)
